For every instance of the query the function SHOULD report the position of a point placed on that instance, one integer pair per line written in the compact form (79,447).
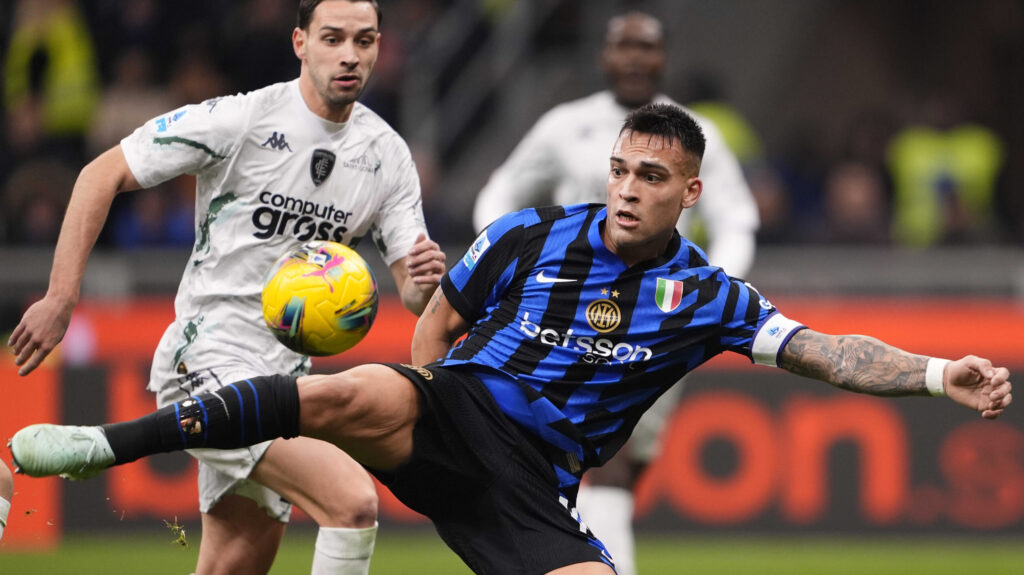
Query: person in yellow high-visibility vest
(944,183)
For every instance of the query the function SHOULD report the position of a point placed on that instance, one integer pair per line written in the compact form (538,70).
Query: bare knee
(353,503)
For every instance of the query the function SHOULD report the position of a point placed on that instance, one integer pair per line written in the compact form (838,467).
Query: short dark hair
(667,121)
(306,8)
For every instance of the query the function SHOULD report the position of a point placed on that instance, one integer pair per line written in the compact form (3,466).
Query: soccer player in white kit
(563,159)
(275,167)
(6,494)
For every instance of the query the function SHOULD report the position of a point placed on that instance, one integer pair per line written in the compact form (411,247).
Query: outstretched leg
(368,411)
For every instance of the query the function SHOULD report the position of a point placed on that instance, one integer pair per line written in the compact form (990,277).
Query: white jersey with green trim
(563,160)
(270,175)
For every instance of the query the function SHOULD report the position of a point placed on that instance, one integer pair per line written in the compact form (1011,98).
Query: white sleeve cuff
(771,338)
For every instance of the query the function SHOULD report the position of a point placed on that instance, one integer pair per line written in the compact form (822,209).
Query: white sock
(5,508)
(343,551)
(608,511)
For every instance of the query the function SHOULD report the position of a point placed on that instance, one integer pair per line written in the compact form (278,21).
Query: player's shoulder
(580,109)
(535,220)
(369,122)
(370,126)
(260,100)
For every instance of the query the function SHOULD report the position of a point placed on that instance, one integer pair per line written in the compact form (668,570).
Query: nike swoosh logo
(543,279)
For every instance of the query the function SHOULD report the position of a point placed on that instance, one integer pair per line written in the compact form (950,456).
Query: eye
(365,42)
(616,171)
(653,178)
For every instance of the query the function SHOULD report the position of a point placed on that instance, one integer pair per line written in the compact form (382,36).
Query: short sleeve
(400,219)
(753,326)
(187,140)
(477,281)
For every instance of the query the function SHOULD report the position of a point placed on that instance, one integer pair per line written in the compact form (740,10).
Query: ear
(694,188)
(299,43)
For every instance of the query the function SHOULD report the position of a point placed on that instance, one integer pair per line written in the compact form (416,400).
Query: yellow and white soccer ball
(320,299)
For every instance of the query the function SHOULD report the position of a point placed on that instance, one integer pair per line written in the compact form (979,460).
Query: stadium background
(824,87)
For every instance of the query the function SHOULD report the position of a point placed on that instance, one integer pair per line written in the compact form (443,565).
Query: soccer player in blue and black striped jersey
(577,319)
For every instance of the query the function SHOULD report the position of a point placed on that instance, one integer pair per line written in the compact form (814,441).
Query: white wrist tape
(933,376)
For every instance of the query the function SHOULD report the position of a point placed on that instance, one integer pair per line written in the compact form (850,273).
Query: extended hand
(975,383)
(40,330)
(425,262)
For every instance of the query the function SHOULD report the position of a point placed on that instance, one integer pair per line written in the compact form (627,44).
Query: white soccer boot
(70,451)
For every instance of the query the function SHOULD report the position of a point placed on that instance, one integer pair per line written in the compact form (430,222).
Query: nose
(348,54)
(628,189)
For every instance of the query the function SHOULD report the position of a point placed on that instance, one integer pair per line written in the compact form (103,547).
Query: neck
(634,254)
(316,103)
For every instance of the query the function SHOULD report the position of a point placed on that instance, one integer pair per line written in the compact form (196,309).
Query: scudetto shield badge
(321,165)
(669,294)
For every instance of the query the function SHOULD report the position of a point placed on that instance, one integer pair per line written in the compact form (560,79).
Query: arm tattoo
(856,363)
(435,301)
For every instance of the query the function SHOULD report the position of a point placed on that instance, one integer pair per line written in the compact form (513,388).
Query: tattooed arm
(855,362)
(867,365)
(437,329)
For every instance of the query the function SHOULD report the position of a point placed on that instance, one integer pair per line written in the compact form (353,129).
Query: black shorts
(491,495)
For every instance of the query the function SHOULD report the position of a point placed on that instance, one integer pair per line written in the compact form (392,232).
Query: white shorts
(223,471)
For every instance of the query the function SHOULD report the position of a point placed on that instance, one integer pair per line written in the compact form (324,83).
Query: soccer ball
(320,299)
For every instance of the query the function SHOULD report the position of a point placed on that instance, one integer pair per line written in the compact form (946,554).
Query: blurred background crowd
(857,122)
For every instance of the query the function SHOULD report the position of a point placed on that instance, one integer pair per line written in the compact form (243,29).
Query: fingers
(426,261)
(29,358)
(1001,394)
(15,336)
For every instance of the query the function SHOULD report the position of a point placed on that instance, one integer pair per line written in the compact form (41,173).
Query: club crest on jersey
(603,315)
(668,295)
(321,165)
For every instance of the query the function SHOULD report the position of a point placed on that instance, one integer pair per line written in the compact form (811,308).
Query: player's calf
(240,414)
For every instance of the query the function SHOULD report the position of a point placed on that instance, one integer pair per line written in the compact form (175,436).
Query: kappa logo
(363,164)
(276,142)
(321,165)
(212,103)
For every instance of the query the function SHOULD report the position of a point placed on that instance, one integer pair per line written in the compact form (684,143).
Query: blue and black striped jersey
(575,345)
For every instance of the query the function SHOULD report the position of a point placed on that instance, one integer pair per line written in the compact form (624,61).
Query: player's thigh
(322,480)
(369,411)
(589,568)
(238,537)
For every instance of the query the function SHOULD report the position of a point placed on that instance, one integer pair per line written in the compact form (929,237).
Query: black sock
(243,413)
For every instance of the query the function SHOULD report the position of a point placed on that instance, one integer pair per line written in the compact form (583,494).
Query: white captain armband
(771,338)
(933,375)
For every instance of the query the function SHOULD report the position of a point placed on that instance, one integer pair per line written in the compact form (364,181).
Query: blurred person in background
(855,210)
(274,168)
(6,494)
(707,99)
(945,172)
(34,198)
(132,97)
(563,159)
(151,218)
(51,80)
